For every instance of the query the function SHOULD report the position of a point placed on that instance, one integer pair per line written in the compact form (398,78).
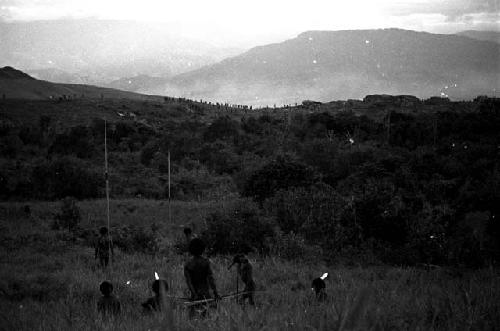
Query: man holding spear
(199,277)
(244,269)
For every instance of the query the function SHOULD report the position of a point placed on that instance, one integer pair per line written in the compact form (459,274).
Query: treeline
(410,188)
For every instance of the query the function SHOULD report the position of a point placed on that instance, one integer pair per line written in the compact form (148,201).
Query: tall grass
(50,283)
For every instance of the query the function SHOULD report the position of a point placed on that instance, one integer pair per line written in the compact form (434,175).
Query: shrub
(148,152)
(315,213)
(69,215)
(291,246)
(279,174)
(135,239)
(239,228)
(222,128)
(63,177)
(76,141)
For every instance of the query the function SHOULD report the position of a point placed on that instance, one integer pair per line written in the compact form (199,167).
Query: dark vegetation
(383,184)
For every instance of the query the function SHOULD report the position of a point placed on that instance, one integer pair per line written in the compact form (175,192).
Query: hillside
(482,35)
(15,84)
(328,65)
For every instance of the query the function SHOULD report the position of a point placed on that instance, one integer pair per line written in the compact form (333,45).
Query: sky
(235,23)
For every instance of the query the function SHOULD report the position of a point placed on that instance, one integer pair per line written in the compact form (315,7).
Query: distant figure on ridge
(199,277)
(104,247)
(245,272)
(108,304)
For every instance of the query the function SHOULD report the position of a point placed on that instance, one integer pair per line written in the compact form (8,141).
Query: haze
(244,24)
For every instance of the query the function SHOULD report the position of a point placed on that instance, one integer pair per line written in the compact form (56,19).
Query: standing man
(245,273)
(104,247)
(199,276)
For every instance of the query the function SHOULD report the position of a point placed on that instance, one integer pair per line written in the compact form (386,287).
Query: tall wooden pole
(388,132)
(169,199)
(106,176)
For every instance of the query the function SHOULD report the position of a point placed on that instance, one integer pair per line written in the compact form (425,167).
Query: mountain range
(316,65)
(482,35)
(95,51)
(332,65)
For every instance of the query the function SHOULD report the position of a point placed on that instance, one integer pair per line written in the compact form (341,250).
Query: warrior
(155,303)
(319,287)
(245,273)
(103,247)
(108,304)
(198,274)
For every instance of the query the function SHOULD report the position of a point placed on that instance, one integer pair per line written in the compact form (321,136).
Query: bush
(315,213)
(291,246)
(239,228)
(75,141)
(222,128)
(279,174)
(69,215)
(63,177)
(132,239)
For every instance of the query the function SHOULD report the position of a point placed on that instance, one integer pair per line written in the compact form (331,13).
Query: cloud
(451,9)
(252,22)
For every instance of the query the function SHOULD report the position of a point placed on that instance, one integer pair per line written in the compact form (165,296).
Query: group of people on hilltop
(197,273)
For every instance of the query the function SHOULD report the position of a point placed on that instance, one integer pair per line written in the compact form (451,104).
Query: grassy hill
(395,197)
(15,84)
(49,280)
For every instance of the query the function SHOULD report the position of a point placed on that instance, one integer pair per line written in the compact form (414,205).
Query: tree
(279,174)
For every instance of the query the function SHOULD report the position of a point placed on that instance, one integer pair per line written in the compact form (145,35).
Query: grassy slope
(32,89)
(82,111)
(51,283)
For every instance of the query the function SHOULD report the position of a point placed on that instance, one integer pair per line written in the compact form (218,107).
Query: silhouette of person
(155,303)
(108,304)
(244,269)
(104,247)
(188,234)
(199,276)
(319,287)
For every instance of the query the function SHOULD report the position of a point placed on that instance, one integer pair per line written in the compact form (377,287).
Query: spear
(227,296)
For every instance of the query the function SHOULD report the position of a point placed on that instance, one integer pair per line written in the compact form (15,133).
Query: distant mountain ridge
(482,35)
(102,50)
(332,65)
(15,84)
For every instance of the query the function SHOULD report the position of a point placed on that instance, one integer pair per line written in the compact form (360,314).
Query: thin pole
(237,281)
(107,183)
(169,199)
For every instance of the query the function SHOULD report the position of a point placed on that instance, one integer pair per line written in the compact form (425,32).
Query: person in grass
(182,244)
(104,247)
(245,273)
(188,235)
(318,285)
(155,303)
(108,305)
(199,277)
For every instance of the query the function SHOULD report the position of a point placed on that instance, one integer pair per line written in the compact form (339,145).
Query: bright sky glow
(260,21)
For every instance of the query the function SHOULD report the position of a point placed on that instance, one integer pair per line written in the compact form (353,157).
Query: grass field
(49,281)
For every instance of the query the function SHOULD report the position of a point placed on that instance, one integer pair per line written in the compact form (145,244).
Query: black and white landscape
(264,165)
